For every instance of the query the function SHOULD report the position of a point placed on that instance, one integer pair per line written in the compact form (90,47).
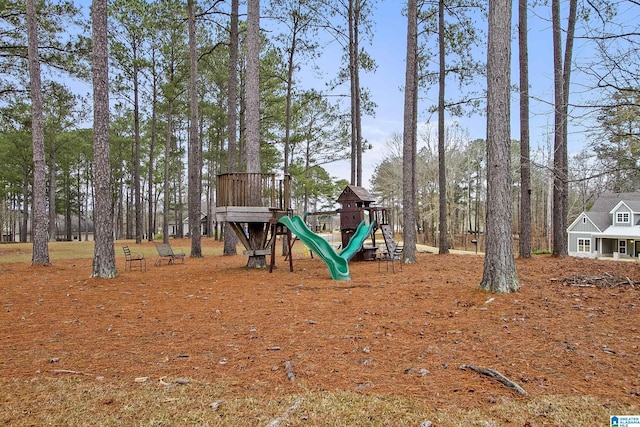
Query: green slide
(355,243)
(338,264)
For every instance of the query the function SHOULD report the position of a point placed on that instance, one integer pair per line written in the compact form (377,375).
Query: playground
(210,342)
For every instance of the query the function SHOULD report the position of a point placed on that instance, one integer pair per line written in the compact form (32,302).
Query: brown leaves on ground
(403,333)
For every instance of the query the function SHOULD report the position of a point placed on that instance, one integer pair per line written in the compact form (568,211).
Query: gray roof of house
(608,201)
(599,212)
(600,219)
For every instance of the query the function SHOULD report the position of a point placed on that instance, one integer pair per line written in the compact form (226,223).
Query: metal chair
(391,256)
(165,252)
(130,259)
(392,251)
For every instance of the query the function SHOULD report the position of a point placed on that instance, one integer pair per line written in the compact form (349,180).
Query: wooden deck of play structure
(253,198)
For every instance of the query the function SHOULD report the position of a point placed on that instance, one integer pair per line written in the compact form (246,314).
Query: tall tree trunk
(561,74)
(213,164)
(79,204)
(253,124)
(525,161)
(167,159)
(40,254)
(136,157)
(289,96)
(230,239)
(26,178)
(499,273)
(154,119)
(129,210)
(90,196)
(104,259)
(443,241)
(195,150)
(352,78)
(356,86)
(354,10)
(53,219)
(179,205)
(558,144)
(287,132)
(566,80)
(307,158)
(120,210)
(67,211)
(409,134)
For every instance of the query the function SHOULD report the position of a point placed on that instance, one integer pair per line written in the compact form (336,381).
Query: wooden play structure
(355,201)
(254,198)
(262,200)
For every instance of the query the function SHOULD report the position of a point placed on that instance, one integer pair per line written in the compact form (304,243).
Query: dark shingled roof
(600,219)
(608,201)
(599,212)
(360,193)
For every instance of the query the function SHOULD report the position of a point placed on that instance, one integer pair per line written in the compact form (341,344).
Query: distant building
(11,225)
(611,228)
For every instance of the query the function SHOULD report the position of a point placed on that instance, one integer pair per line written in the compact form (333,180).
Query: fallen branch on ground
(606,280)
(288,367)
(281,418)
(67,371)
(497,375)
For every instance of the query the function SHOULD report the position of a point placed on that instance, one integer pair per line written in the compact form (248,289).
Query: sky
(388,48)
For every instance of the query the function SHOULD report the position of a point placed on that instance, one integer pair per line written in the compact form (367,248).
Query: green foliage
(15,152)
(312,189)
(463,39)
(466,175)
(74,167)
(542,252)
(62,42)
(617,147)
(318,133)
(15,148)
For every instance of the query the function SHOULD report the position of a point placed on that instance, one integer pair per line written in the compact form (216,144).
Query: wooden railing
(253,189)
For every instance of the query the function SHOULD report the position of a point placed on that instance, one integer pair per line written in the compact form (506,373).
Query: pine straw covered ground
(212,343)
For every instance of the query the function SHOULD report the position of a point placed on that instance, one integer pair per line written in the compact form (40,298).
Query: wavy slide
(338,264)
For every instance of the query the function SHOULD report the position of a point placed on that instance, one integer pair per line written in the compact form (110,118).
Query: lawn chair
(165,252)
(392,251)
(130,259)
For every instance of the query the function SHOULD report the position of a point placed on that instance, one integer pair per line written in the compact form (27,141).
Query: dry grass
(21,252)
(85,401)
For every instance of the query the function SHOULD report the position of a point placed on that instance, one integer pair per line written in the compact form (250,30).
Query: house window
(622,246)
(622,217)
(584,245)
(584,219)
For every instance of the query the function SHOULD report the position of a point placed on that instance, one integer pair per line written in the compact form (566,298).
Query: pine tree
(499,264)
(40,223)
(104,259)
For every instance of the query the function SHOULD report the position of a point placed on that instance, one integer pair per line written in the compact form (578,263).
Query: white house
(611,228)
(173,224)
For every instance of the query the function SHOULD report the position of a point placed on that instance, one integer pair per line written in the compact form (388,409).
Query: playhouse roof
(353,192)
